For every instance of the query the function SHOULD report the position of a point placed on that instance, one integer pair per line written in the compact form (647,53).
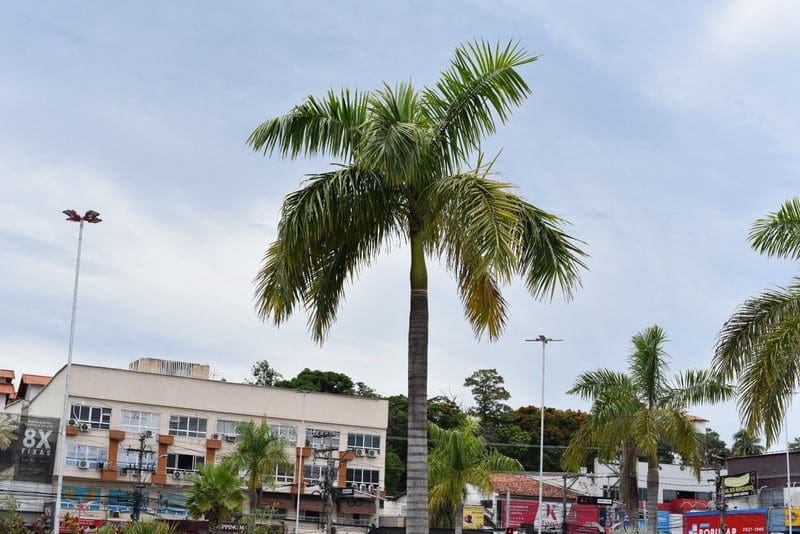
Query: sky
(660,134)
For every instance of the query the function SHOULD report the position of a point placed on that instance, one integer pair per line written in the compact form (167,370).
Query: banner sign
(473,517)
(736,522)
(27,448)
(795,519)
(528,513)
(740,485)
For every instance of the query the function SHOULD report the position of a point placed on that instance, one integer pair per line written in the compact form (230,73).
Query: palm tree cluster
(633,413)
(409,171)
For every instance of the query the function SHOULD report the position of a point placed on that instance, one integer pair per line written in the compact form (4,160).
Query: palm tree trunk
(417,468)
(652,496)
(629,484)
(459,518)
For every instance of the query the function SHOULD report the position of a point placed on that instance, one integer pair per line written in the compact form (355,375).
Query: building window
(284,475)
(129,459)
(313,473)
(771,498)
(86,456)
(227,428)
(139,422)
(357,477)
(193,427)
(363,441)
(322,439)
(287,433)
(95,416)
(121,500)
(79,497)
(183,462)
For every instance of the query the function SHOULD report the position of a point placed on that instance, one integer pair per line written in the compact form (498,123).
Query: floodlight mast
(91,217)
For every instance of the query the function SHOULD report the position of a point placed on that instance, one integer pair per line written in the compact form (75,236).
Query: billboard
(528,513)
(27,448)
(736,522)
(740,485)
(472,517)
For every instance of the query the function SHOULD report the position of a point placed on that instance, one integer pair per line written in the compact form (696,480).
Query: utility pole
(327,482)
(721,500)
(138,488)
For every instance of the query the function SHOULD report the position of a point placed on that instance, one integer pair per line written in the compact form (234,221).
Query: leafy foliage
(714,448)
(759,345)
(745,443)
(148,527)
(264,374)
(214,494)
(11,521)
(488,391)
(322,381)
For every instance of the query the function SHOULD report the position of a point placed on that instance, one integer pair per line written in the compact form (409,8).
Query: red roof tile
(7,373)
(696,419)
(8,389)
(528,485)
(35,380)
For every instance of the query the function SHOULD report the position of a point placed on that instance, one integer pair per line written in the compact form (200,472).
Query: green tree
(632,413)
(460,457)
(214,494)
(323,381)
(794,445)
(259,451)
(395,472)
(488,391)
(758,344)
(559,427)
(745,443)
(264,374)
(411,173)
(714,448)
(11,521)
(363,390)
(444,412)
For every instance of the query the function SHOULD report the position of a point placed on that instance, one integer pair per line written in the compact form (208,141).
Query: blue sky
(660,134)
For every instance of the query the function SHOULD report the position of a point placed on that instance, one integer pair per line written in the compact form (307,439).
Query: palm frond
(329,125)
(747,329)
(699,386)
(648,363)
(329,229)
(778,234)
(591,384)
(675,427)
(479,90)
(549,258)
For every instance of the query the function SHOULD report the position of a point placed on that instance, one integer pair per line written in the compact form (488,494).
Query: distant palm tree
(214,494)
(459,457)
(759,345)
(633,413)
(411,173)
(746,444)
(258,453)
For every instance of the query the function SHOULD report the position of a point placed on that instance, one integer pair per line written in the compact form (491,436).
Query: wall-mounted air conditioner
(85,427)
(372,453)
(72,422)
(214,436)
(360,452)
(83,464)
(230,439)
(177,474)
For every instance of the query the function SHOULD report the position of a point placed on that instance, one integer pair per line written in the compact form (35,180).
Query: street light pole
(90,217)
(544,340)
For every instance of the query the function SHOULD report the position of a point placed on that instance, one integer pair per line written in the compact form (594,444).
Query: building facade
(182,423)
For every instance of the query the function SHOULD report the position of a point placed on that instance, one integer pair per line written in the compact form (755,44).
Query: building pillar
(212,446)
(160,476)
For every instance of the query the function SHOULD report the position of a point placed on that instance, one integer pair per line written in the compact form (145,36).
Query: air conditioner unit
(230,439)
(85,427)
(372,453)
(83,464)
(214,436)
(360,452)
(123,471)
(73,422)
(148,434)
(114,514)
(177,474)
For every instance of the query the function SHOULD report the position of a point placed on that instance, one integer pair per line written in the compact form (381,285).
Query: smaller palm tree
(259,451)
(459,457)
(215,495)
(746,443)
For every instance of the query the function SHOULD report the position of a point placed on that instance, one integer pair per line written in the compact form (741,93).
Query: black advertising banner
(27,447)
(740,485)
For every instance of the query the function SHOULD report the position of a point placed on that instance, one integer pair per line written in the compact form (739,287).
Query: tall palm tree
(759,345)
(459,457)
(214,494)
(632,413)
(411,173)
(745,443)
(259,451)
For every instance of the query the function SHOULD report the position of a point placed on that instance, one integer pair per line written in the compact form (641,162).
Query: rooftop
(7,373)
(527,485)
(7,389)
(35,380)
